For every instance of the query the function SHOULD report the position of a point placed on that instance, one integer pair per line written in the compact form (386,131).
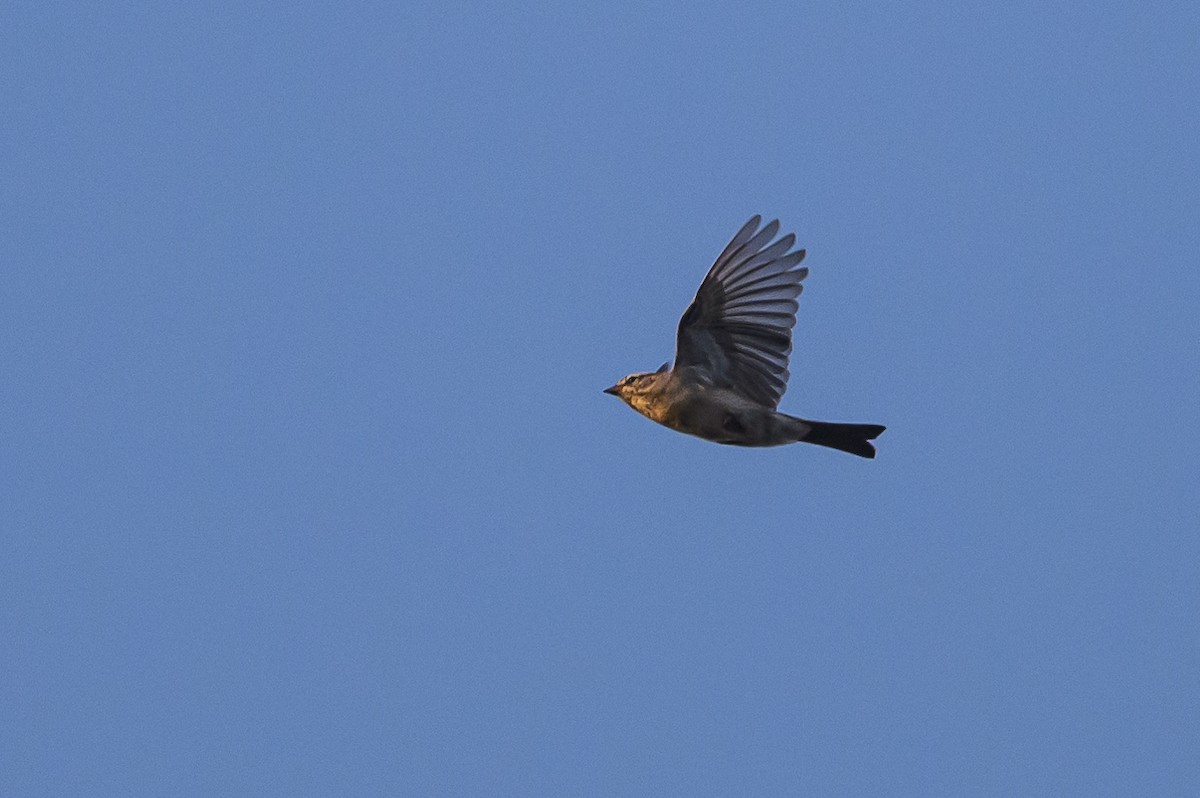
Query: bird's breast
(655,408)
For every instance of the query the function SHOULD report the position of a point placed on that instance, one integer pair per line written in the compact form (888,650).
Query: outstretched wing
(738,329)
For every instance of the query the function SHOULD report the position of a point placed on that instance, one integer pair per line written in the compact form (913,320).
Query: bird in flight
(731,355)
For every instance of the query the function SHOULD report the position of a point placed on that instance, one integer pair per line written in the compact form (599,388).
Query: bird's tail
(852,438)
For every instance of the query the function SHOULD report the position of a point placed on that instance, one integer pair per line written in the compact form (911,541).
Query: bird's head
(636,385)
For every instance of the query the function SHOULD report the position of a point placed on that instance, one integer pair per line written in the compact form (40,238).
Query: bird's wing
(738,329)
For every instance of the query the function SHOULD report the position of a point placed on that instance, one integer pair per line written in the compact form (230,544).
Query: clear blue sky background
(309,487)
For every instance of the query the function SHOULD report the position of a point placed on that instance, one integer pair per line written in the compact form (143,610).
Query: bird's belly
(725,417)
(712,421)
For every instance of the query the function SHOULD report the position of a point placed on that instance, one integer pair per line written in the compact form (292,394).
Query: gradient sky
(309,486)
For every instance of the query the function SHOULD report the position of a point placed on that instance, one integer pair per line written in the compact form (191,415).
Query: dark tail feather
(852,438)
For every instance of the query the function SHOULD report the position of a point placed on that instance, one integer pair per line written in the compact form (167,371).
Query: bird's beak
(614,390)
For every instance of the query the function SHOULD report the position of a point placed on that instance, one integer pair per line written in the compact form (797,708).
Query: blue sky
(310,487)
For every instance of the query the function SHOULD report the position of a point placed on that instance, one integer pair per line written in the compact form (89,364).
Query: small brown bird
(731,355)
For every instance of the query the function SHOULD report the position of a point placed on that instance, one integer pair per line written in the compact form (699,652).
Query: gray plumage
(732,350)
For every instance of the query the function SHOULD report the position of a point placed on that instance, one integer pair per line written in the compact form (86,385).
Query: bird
(731,354)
